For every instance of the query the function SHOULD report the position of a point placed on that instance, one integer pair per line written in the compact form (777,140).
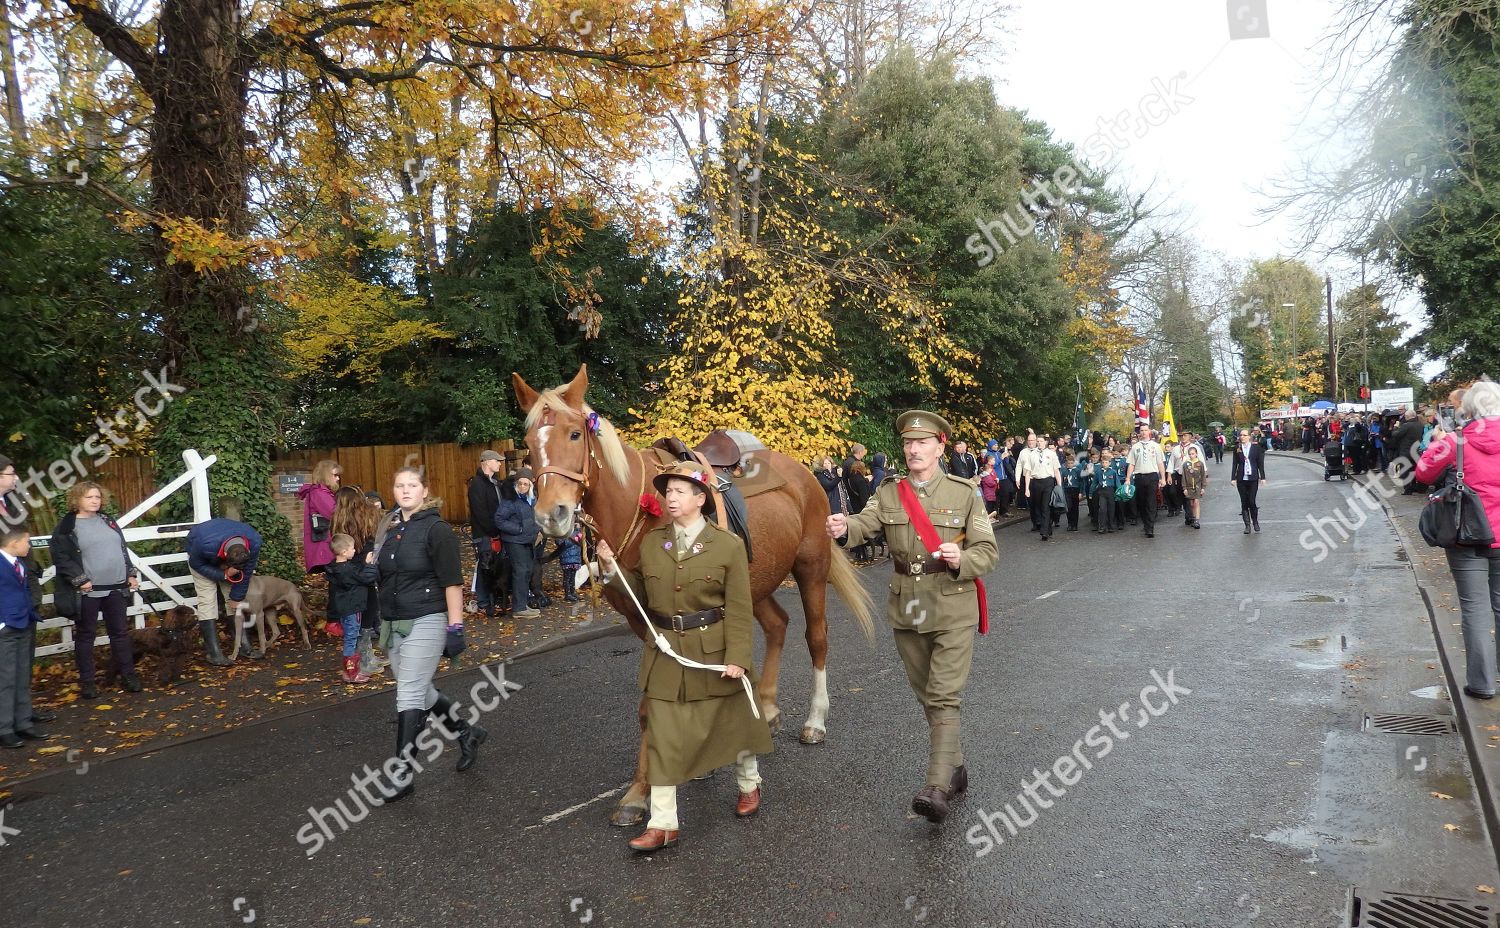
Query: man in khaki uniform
(933,605)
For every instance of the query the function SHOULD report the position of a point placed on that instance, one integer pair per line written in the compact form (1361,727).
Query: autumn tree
(227,98)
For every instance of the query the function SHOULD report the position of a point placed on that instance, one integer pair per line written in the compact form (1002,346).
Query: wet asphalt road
(1255,800)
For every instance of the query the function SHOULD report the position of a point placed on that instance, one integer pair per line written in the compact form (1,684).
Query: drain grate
(1395,724)
(1373,909)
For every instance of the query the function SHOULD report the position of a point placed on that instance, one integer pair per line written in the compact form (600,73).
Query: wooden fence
(448,468)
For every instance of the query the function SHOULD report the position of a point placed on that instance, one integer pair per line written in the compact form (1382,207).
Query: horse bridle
(580,478)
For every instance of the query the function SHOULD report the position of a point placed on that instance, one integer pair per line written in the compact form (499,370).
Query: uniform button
(679,589)
(679,566)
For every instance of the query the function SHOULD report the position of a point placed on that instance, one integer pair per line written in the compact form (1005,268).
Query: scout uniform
(695,583)
(933,609)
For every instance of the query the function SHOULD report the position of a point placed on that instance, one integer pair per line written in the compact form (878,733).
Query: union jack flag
(1142,413)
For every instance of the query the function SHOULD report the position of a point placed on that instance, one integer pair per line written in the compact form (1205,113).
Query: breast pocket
(893,516)
(712,576)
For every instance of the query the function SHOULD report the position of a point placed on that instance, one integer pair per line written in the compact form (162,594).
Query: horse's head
(571,449)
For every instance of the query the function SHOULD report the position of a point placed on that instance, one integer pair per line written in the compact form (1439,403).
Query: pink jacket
(1481,463)
(315,498)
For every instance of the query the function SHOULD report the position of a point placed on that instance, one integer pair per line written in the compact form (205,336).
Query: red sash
(927,532)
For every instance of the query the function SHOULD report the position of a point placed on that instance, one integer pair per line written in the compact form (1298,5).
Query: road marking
(549,819)
(1048,595)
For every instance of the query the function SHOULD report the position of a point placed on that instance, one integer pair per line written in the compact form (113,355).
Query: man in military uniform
(933,605)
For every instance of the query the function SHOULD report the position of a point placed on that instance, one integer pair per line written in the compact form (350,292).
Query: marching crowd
(1110,482)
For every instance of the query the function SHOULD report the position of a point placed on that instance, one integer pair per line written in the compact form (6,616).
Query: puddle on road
(1319,598)
(1329,650)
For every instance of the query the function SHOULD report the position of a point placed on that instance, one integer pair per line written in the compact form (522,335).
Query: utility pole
(1333,360)
(1364,329)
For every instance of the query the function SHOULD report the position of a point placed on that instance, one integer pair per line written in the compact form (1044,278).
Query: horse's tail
(846,583)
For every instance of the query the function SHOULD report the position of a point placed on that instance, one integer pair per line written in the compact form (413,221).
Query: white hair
(1481,400)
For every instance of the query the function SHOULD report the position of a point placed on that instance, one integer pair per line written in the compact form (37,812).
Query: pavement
(1229,677)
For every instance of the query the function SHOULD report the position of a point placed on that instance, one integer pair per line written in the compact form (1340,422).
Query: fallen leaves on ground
(1439,795)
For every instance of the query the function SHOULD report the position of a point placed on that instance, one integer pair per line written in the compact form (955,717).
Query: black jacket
(515,520)
(1406,437)
(963,465)
(418,560)
(68,559)
(1257,463)
(830,483)
(349,584)
(484,499)
(859,491)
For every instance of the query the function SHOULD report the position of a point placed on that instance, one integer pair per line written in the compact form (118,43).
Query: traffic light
(1364,393)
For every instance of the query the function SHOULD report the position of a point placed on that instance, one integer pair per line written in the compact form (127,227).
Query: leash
(665,648)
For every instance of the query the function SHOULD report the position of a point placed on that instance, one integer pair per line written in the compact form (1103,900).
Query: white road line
(1047,595)
(549,819)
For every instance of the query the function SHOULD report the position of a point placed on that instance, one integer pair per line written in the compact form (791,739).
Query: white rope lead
(662,645)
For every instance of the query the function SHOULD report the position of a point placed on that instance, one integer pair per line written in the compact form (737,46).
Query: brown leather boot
(749,804)
(960,781)
(931,803)
(654,839)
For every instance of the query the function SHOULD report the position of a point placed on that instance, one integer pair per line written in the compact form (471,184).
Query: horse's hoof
(774,722)
(627,816)
(812,735)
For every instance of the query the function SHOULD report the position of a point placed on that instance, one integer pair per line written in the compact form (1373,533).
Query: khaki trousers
(937,667)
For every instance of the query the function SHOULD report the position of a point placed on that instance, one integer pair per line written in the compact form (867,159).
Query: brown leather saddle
(725,452)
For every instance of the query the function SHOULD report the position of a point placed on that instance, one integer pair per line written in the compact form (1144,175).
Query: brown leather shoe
(960,781)
(749,803)
(931,803)
(654,839)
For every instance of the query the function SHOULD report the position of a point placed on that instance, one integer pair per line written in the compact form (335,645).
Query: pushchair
(1333,461)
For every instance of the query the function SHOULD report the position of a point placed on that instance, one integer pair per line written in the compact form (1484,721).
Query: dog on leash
(171,642)
(264,601)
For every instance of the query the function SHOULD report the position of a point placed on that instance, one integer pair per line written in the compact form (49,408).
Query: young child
(1108,480)
(18,621)
(1072,474)
(348,593)
(989,486)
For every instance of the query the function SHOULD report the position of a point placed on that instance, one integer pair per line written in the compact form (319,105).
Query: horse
(580,461)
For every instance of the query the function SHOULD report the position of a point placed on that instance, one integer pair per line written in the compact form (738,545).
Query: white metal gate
(161,574)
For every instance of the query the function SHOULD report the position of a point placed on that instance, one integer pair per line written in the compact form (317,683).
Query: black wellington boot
(1245,514)
(409,724)
(210,634)
(1255,517)
(469,737)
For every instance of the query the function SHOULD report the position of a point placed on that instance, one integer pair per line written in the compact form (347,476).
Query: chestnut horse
(579,465)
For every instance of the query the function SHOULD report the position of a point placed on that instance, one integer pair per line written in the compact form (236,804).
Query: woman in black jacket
(421,600)
(833,485)
(94,577)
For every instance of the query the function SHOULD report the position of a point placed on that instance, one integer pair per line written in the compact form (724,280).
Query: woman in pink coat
(1476,571)
(317,515)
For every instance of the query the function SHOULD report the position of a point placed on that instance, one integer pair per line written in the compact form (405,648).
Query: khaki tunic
(931,602)
(696,720)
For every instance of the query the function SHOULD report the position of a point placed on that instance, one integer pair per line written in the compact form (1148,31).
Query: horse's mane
(611,448)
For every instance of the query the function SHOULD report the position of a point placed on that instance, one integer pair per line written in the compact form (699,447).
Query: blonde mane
(611,448)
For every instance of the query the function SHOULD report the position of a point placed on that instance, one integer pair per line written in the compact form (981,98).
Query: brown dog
(172,642)
(264,601)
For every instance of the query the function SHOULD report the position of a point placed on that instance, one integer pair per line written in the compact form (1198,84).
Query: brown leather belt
(930,565)
(687,621)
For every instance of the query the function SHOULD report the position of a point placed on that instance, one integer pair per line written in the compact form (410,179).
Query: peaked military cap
(916,423)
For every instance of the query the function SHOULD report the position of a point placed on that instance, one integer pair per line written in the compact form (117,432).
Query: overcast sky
(1249,120)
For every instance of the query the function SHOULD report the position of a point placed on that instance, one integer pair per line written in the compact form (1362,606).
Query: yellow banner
(1168,421)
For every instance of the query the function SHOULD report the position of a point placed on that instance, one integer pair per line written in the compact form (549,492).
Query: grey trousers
(15,678)
(414,659)
(1476,573)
